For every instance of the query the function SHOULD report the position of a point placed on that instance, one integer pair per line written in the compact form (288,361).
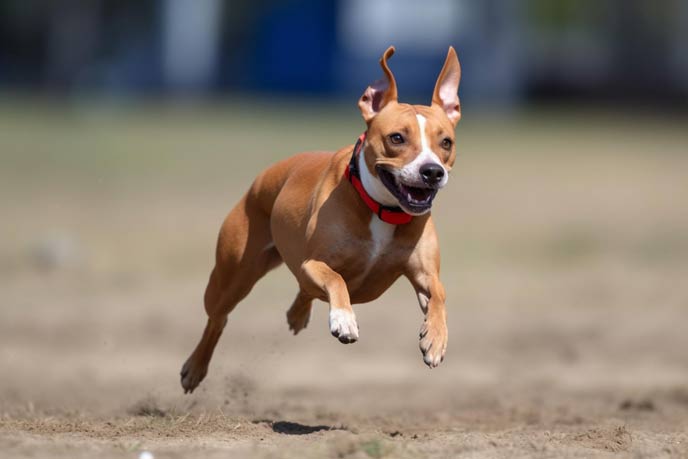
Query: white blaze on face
(410,173)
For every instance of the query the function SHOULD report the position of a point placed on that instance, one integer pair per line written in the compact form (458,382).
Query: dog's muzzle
(415,199)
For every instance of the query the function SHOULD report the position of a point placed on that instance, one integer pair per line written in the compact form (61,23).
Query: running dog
(346,224)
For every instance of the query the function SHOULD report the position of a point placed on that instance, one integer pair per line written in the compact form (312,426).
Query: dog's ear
(381,92)
(446,93)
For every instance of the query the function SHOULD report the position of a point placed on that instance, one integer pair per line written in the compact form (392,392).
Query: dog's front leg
(318,278)
(433,332)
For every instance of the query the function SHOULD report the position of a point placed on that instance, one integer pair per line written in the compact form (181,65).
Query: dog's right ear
(381,92)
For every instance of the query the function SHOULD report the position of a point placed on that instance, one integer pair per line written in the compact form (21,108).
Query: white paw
(343,325)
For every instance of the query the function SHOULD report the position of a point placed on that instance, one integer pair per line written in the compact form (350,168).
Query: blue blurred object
(292,47)
(511,50)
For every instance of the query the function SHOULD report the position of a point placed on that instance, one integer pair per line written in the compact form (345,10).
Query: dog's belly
(367,271)
(366,278)
(369,274)
(370,287)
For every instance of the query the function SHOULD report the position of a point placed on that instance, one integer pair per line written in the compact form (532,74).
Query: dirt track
(568,306)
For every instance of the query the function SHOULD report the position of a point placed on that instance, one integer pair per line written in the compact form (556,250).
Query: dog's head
(410,149)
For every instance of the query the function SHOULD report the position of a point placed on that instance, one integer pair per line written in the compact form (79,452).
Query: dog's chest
(371,273)
(381,235)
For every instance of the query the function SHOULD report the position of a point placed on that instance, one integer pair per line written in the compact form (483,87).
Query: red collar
(393,215)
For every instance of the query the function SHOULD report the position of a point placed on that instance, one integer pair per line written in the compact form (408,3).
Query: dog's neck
(372,185)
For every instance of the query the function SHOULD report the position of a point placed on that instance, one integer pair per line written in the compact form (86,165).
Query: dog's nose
(432,173)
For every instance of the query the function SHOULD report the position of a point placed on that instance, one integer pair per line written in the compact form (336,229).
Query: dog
(347,224)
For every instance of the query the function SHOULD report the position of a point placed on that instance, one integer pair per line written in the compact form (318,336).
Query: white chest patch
(381,234)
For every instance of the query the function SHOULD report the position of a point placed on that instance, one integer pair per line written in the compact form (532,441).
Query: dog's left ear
(381,92)
(446,93)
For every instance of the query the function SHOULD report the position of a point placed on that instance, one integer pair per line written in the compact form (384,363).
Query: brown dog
(346,224)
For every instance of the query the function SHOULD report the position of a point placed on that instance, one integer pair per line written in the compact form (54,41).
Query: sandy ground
(565,258)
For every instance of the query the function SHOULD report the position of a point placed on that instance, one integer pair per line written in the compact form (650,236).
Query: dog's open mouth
(414,200)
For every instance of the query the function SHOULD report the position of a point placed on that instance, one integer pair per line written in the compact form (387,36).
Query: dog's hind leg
(300,312)
(245,252)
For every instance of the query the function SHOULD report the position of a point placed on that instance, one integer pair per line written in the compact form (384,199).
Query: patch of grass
(376,448)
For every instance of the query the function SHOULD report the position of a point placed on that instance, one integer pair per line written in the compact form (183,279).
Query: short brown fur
(302,212)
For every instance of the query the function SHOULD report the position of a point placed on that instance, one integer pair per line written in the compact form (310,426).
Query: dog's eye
(447,143)
(396,138)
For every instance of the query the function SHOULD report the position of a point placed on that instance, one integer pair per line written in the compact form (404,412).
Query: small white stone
(146,455)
